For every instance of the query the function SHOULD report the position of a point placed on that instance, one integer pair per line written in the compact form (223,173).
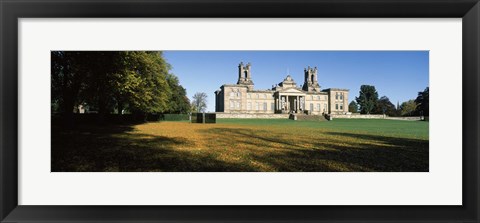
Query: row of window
(317,107)
(260,106)
(318,97)
(337,106)
(339,96)
(237,105)
(258,96)
(239,95)
(235,94)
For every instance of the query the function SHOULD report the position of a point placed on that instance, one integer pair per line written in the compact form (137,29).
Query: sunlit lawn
(245,145)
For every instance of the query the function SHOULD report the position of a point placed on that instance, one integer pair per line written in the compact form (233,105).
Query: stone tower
(311,82)
(244,75)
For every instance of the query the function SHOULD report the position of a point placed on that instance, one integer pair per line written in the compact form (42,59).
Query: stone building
(284,97)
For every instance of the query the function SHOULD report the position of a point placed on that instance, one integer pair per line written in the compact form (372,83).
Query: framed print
(239,111)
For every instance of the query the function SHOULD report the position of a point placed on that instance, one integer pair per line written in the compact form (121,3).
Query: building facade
(284,97)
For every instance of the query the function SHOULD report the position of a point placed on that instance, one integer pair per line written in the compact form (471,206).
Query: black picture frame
(11,11)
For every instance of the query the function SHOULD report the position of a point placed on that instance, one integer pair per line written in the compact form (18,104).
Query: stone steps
(303,117)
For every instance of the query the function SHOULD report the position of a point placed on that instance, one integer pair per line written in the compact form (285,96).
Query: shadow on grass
(116,148)
(329,152)
(119,148)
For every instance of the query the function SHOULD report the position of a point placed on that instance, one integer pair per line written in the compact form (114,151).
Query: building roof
(335,89)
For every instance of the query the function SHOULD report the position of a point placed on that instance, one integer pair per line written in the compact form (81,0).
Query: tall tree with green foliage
(385,106)
(68,75)
(178,102)
(138,81)
(423,102)
(367,99)
(408,108)
(199,102)
(99,69)
(142,82)
(353,107)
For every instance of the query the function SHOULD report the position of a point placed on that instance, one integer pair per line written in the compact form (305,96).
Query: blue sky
(399,75)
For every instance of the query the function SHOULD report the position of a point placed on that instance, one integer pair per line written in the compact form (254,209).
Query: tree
(99,78)
(112,80)
(422,101)
(408,108)
(353,107)
(399,111)
(384,106)
(178,102)
(199,102)
(367,99)
(67,77)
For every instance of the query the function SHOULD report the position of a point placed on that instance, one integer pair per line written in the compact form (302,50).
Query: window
(249,95)
(249,106)
(318,97)
(336,96)
(237,105)
(272,106)
(341,96)
(231,105)
(311,106)
(239,94)
(336,106)
(258,96)
(325,107)
(232,94)
(256,106)
(318,107)
(341,106)
(312,97)
(264,106)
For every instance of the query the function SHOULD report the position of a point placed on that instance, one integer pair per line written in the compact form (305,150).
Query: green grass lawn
(395,128)
(268,145)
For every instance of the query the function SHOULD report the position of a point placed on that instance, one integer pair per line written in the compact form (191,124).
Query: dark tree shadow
(94,148)
(349,152)
(90,148)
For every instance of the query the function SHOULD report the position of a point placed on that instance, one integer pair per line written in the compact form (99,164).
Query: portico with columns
(289,101)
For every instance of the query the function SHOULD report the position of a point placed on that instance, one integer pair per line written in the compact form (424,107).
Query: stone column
(279,101)
(298,103)
(288,103)
(295,104)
